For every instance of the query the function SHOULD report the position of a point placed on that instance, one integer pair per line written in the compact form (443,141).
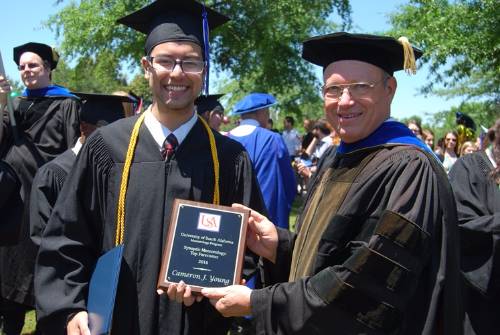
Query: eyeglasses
(30,66)
(168,64)
(356,90)
(451,140)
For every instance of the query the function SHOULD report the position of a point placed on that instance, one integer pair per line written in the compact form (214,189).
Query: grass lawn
(296,207)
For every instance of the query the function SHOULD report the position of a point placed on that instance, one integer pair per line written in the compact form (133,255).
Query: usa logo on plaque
(209,222)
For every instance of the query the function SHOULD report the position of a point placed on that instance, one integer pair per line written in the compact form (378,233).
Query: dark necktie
(169,146)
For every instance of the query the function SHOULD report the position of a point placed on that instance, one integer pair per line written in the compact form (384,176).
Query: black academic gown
(478,207)
(387,258)
(47,184)
(47,126)
(83,225)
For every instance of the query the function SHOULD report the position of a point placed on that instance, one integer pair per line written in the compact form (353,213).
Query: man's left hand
(181,293)
(231,300)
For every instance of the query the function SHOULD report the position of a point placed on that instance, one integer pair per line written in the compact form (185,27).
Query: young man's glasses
(356,90)
(168,64)
(30,66)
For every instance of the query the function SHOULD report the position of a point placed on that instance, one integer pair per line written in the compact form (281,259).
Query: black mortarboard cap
(387,53)
(102,109)
(45,52)
(465,120)
(172,20)
(207,103)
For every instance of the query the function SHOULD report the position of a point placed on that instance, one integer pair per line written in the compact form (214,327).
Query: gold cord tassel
(409,64)
(215,160)
(55,55)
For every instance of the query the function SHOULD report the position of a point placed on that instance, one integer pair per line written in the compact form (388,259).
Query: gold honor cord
(120,216)
(215,159)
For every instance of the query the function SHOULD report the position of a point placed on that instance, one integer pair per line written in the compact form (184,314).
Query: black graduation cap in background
(172,20)
(102,109)
(45,52)
(465,120)
(207,103)
(385,52)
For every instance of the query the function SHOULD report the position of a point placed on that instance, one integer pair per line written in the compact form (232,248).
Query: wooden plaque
(205,245)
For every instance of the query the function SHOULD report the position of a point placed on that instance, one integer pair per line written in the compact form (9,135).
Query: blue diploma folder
(102,291)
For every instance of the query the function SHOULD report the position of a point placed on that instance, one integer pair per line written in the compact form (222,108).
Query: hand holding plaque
(205,246)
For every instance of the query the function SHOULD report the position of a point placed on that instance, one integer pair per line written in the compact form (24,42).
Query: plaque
(205,245)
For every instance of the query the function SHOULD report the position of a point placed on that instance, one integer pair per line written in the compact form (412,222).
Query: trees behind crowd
(259,50)
(461,40)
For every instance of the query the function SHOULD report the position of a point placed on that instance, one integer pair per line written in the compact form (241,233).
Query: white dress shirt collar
(160,132)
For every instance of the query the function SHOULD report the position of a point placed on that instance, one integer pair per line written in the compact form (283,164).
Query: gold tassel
(55,55)
(409,64)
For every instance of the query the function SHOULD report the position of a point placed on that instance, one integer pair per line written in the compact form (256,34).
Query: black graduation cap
(172,20)
(207,103)
(45,52)
(465,120)
(102,109)
(385,52)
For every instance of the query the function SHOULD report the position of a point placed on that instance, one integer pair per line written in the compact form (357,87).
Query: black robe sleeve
(45,189)
(73,238)
(383,268)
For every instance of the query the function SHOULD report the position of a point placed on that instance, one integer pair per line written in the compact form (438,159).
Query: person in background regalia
(45,125)
(97,110)
(475,179)
(211,110)
(269,155)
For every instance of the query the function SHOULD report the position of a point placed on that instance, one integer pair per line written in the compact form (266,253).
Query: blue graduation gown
(272,165)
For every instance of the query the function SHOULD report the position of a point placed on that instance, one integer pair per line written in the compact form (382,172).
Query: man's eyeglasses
(30,66)
(356,90)
(169,64)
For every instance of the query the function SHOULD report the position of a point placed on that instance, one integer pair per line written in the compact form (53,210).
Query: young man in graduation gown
(376,250)
(97,110)
(209,108)
(45,124)
(475,180)
(268,154)
(173,158)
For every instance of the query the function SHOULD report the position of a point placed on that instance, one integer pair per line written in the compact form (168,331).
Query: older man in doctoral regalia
(376,250)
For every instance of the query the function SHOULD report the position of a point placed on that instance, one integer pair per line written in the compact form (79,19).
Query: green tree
(259,50)
(91,74)
(461,44)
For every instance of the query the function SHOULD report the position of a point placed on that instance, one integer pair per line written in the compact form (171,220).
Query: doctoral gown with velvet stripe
(47,126)
(386,261)
(83,224)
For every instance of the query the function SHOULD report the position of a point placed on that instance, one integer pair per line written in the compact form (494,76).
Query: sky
(25,25)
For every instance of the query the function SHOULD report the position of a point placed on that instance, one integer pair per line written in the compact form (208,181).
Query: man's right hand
(262,236)
(79,324)
(4,90)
